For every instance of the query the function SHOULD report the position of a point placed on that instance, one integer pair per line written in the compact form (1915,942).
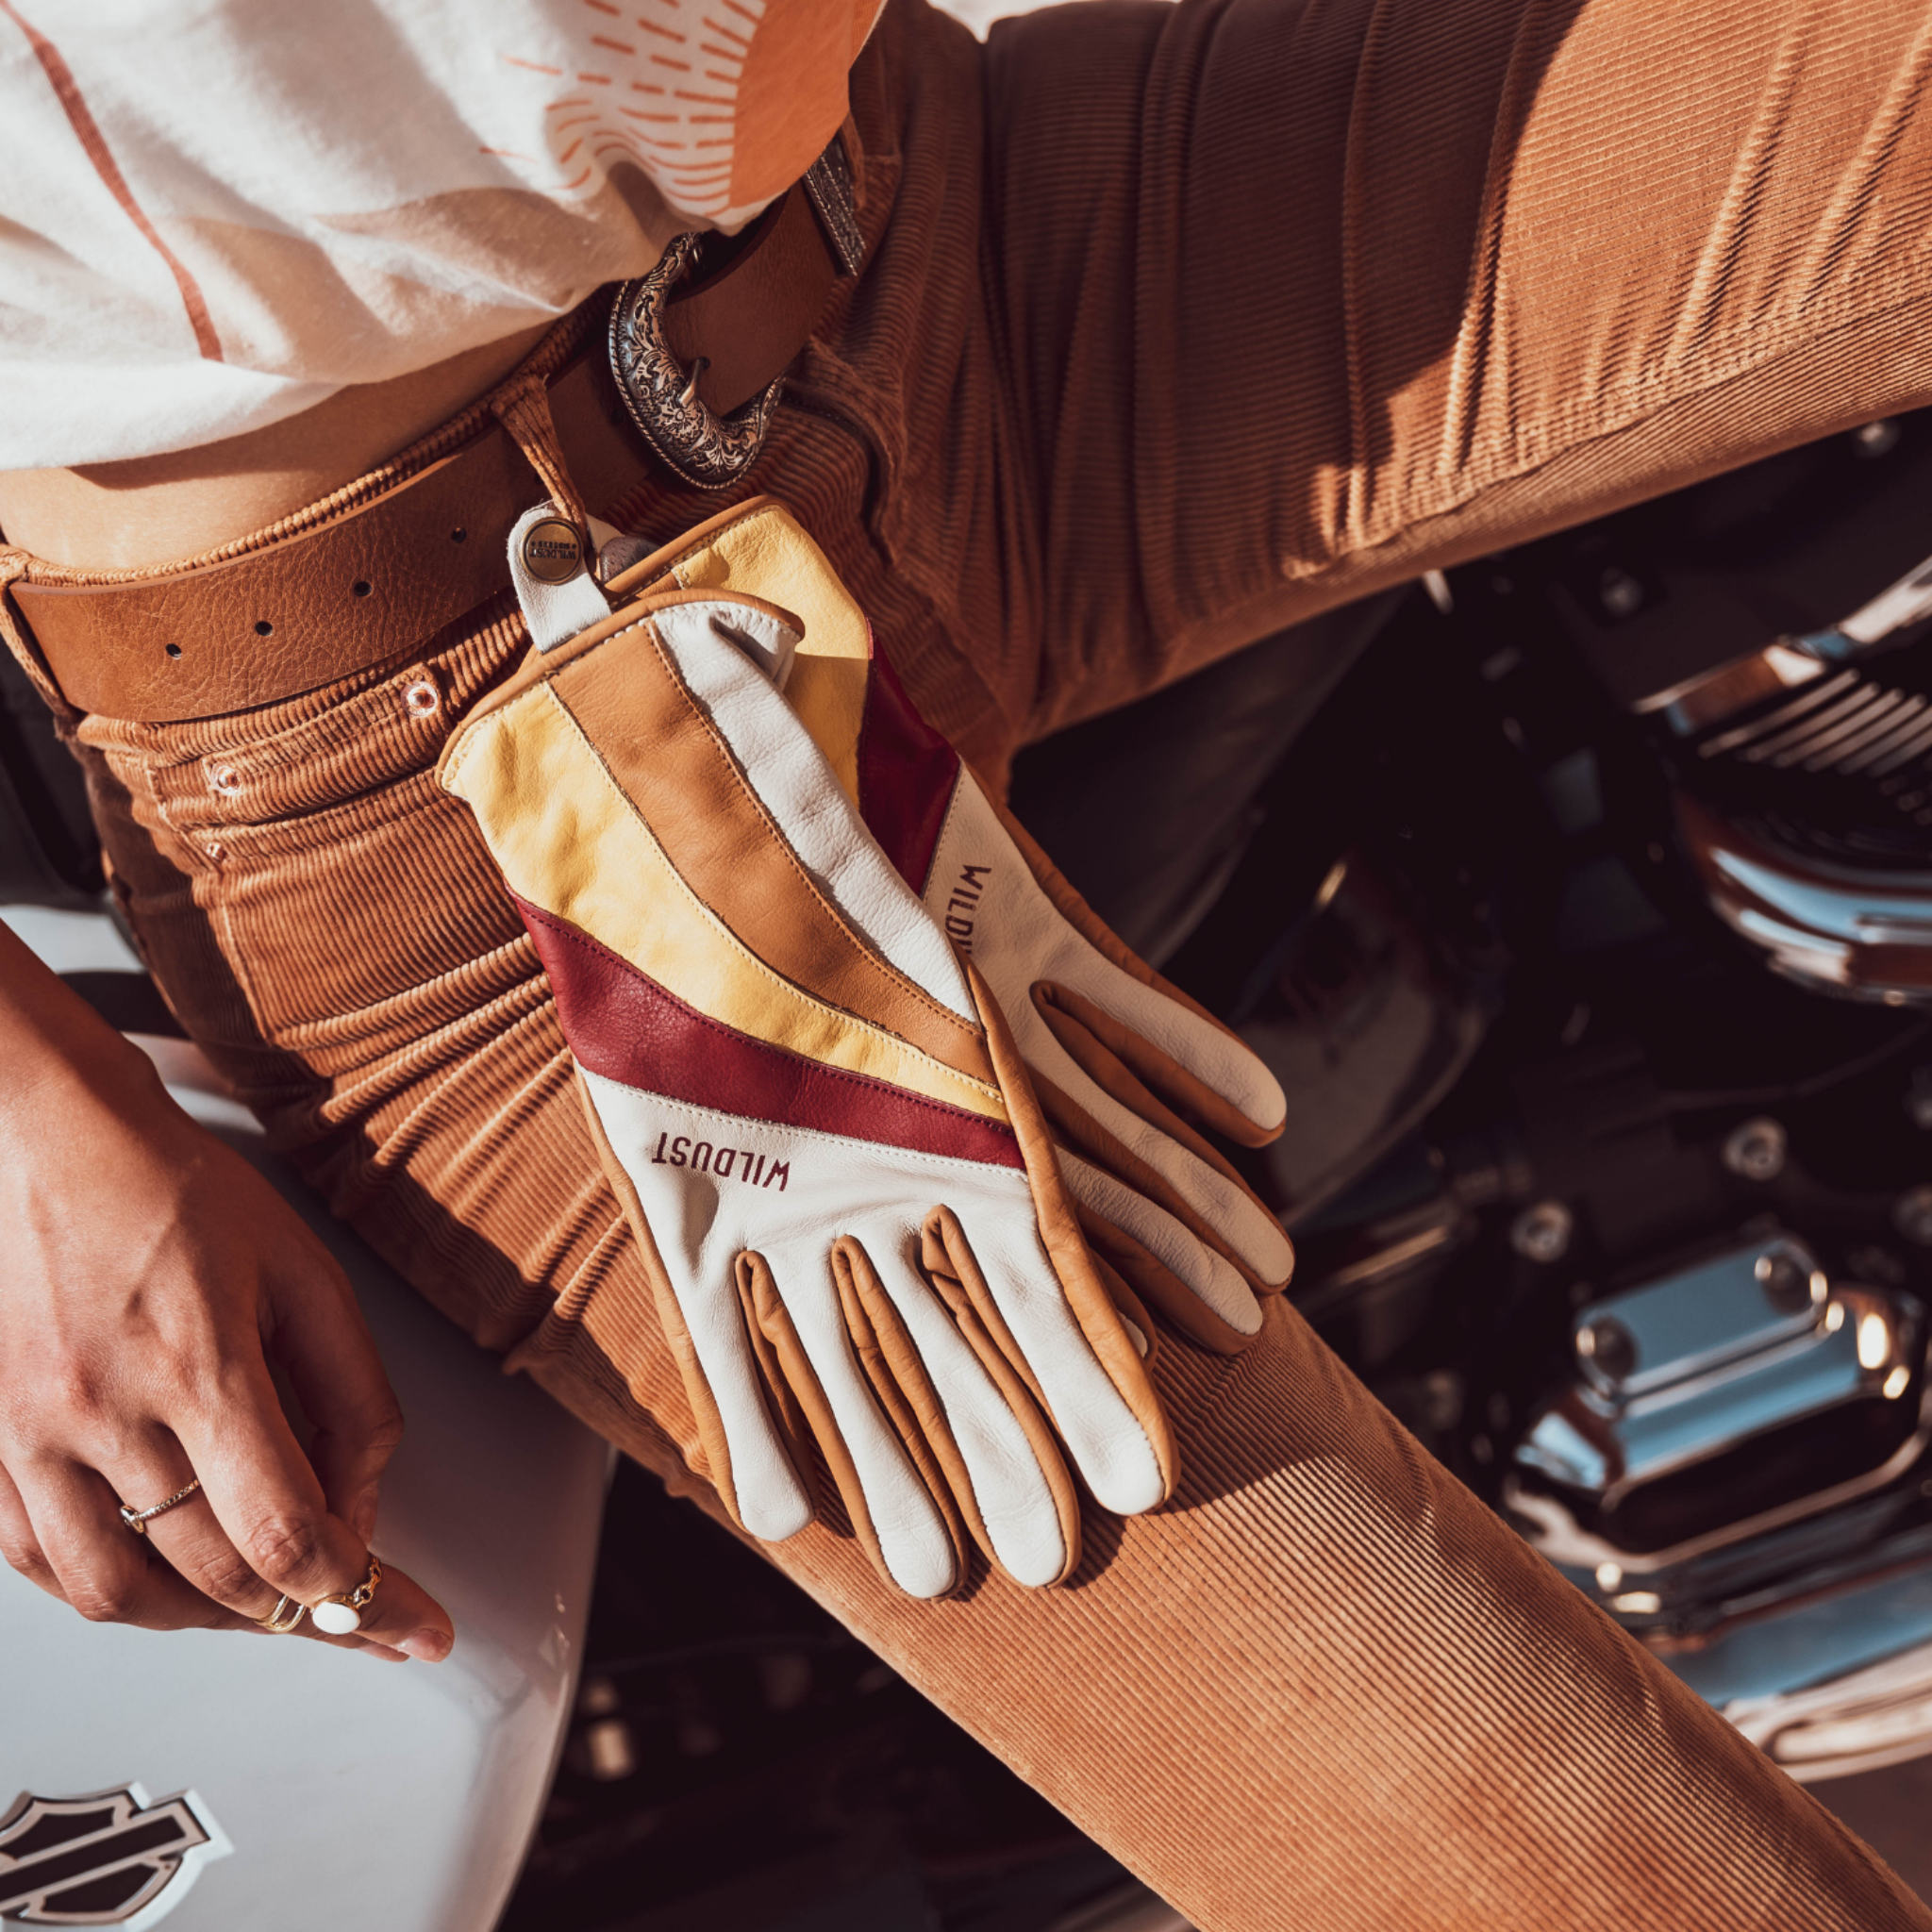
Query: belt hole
(172,650)
(459,536)
(421,697)
(262,628)
(361,587)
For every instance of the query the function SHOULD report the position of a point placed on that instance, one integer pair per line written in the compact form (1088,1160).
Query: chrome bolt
(1542,1233)
(1789,1286)
(1875,438)
(1608,1347)
(1754,1151)
(1911,1214)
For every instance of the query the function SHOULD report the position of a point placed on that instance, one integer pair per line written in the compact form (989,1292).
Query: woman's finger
(166,1604)
(320,1337)
(270,1504)
(193,1542)
(18,1543)
(401,1619)
(95,1564)
(185,1535)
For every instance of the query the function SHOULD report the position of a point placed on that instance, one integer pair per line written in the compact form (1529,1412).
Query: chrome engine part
(1804,796)
(1864,1720)
(1647,1256)
(1864,934)
(1713,1404)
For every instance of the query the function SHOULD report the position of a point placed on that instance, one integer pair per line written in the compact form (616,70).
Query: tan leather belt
(375,582)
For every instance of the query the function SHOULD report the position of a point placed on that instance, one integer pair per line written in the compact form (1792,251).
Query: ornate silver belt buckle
(709,450)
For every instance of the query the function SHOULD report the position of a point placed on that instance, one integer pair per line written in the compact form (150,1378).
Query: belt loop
(523,408)
(14,566)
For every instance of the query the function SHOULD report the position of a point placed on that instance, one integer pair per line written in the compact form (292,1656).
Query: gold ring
(342,1615)
(137,1520)
(284,1617)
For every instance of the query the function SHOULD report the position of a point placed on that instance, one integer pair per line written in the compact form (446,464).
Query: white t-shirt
(215,213)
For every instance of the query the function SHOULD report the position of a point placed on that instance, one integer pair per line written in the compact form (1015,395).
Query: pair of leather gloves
(910,1143)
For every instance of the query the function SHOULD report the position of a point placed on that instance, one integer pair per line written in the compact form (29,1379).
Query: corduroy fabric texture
(1182,323)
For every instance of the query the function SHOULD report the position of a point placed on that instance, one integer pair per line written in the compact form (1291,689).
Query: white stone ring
(335,1616)
(342,1615)
(137,1520)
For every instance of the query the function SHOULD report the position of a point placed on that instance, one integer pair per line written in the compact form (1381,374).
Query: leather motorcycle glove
(1127,1068)
(847,1201)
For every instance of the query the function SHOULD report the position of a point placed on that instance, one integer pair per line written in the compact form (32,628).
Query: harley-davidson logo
(111,1859)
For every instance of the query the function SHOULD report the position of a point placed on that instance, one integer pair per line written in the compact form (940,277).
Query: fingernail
(430,1646)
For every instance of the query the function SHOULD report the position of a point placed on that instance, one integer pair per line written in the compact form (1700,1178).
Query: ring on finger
(342,1615)
(137,1520)
(333,1616)
(286,1615)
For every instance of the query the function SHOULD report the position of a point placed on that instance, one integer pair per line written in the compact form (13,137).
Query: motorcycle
(1581,898)
(1607,1011)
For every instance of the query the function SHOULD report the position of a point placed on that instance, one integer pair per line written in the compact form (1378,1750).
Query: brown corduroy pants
(1181,324)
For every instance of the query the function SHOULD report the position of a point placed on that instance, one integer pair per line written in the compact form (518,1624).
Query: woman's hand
(150,1278)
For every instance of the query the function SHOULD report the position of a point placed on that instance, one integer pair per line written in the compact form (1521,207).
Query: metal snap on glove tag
(553,551)
(549,564)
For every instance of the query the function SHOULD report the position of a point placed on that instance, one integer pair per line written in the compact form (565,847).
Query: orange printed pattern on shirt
(723,103)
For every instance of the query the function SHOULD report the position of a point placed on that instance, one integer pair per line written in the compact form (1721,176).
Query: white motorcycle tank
(227,1782)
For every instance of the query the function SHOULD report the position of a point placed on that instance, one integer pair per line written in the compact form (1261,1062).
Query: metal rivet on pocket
(422,698)
(216,850)
(224,779)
